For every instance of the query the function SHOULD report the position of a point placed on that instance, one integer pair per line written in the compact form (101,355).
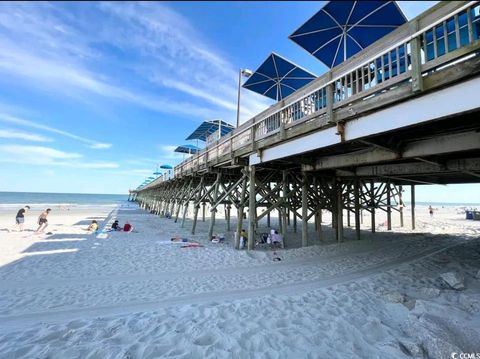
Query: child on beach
(116,226)
(20,218)
(277,240)
(93,227)
(243,238)
(42,220)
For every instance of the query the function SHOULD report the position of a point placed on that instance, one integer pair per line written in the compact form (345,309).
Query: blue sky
(94,95)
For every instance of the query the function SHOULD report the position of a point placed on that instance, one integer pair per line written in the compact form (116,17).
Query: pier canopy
(211,130)
(190,149)
(340,29)
(277,78)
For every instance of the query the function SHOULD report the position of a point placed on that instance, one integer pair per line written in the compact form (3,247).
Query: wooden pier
(403,112)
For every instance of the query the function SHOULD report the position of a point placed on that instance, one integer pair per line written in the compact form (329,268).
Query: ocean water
(9,199)
(446,204)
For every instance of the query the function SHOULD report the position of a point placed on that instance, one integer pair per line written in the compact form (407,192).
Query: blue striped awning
(277,78)
(340,29)
(209,127)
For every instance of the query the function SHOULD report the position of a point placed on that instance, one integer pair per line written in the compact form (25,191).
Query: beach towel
(192,245)
(169,242)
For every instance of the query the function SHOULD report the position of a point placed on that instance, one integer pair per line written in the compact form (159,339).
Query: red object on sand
(127,227)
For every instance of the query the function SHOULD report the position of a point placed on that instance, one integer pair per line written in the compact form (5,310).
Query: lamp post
(244,73)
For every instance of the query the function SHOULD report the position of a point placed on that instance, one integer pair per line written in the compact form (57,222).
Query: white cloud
(95,165)
(67,78)
(37,152)
(142,161)
(46,156)
(54,48)
(141,171)
(19,135)
(190,64)
(100,146)
(195,91)
(27,123)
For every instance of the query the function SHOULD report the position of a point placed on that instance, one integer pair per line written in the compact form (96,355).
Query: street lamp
(244,73)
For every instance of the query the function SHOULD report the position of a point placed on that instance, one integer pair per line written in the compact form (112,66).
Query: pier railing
(447,33)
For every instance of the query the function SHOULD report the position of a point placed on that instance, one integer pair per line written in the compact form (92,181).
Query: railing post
(329,94)
(282,130)
(416,58)
(252,136)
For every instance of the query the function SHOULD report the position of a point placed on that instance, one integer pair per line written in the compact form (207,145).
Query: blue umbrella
(342,28)
(166,167)
(277,78)
(190,149)
(207,128)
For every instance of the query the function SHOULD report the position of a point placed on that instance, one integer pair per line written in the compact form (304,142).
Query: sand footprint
(204,340)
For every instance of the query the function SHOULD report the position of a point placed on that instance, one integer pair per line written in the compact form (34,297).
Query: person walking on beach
(42,220)
(430,210)
(20,218)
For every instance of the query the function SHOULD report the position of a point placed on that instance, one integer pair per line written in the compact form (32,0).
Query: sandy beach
(72,294)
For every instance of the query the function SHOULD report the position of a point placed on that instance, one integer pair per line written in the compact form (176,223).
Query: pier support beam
(305,211)
(319,224)
(356,197)
(339,216)
(213,211)
(240,211)
(412,189)
(372,204)
(196,204)
(295,220)
(251,209)
(284,206)
(400,198)
(228,216)
(389,207)
(280,222)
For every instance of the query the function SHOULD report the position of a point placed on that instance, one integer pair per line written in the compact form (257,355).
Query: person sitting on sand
(127,227)
(93,227)
(20,218)
(42,220)
(116,226)
(243,238)
(277,239)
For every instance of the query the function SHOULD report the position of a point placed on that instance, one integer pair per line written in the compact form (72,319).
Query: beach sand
(137,295)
